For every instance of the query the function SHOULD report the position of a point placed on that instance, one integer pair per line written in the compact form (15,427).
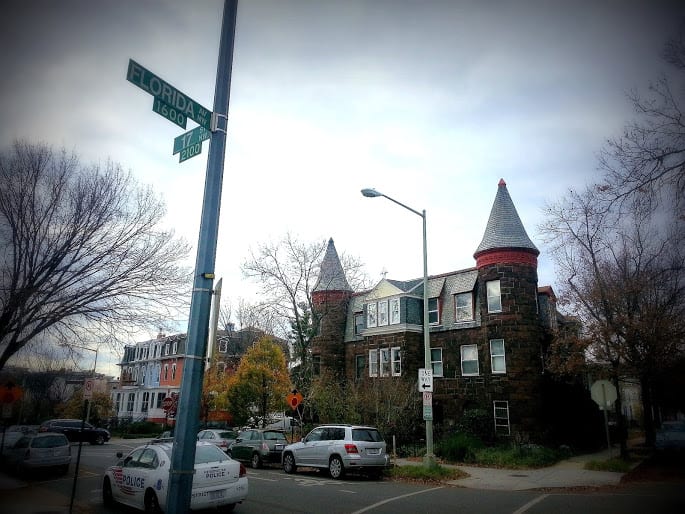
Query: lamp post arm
(423,215)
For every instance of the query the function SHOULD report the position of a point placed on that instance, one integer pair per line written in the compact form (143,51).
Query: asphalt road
(273,491)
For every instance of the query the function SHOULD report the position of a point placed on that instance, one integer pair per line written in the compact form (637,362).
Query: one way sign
(425,380)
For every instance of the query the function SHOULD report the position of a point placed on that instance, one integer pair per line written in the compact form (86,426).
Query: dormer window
(371,315)
(383,313)
(433,311)
(394,311)
(464,306)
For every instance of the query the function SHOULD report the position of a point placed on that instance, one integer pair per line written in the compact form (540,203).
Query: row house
(489,327)
(150,371)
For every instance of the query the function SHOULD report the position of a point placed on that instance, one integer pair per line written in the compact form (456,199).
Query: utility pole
(185,435)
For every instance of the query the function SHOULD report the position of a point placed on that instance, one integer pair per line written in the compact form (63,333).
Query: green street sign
(190,151)
(168,94)
(168,112)
(192,137)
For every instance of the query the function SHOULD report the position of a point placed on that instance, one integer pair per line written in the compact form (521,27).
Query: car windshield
(228,435)
(50,441)
(274,436)
(366,435)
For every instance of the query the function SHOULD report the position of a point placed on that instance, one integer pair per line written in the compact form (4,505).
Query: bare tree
(287,271)
(647,162)
(81,250)
(624,273)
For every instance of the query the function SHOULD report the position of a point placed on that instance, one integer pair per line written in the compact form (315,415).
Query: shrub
(477,422)
(143,427)
(459,447)
(518,456)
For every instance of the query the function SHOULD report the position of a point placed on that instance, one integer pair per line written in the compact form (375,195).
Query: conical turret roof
(331,275)
(504,229)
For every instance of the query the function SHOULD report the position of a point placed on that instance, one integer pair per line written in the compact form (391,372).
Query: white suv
(339,448)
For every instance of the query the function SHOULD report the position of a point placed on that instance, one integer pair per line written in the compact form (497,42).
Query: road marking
(254,477)
(530,504)
(347,491)
(378,504)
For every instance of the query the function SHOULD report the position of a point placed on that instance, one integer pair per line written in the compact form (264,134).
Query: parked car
(258,446)
(141,479)
(671,435)
(72,428)
(221,438)
(39,451)
(339,448)
(14,432)
(165,437)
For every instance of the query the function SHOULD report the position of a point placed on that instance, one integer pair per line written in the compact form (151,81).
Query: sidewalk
(567,473)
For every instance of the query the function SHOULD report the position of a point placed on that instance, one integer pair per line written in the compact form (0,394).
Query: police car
(141,479)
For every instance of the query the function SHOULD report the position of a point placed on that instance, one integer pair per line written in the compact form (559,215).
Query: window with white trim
(494,296)
(396,361)
(142,375)
(394,311)
(501,415)
(373,363)
(130,402)
(436,362)
(173,371)
(117,405)
(174,349)
(469,360)
(383,313)
(223,345)
(166,349)
(146,402)
(497,358)
(160,400)
(464,306)
(371,319)
(221,368)
(433,311)
(166,372)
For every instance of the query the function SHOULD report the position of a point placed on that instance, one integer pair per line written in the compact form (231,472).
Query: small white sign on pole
(88,387)
(425,380)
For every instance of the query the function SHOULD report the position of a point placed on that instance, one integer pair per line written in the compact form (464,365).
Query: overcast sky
(429,101)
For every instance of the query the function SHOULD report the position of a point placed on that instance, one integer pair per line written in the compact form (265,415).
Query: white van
(287,424)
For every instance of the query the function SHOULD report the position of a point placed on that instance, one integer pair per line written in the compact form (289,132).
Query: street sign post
(174,99)
(427,406)
(88,387)
(425,380)
(604,394)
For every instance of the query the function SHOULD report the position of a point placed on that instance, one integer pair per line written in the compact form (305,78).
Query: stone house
(489,327)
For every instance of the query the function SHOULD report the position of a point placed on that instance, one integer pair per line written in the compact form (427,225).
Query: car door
(306,454)
(241,449)
(130,479)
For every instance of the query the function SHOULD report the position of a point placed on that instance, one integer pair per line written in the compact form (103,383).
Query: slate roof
(504,228)
(331,275)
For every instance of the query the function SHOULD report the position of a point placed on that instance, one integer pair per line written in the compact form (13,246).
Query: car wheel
(151,503)
(227,508)
(336,468)
(99,439)
(256,461)
(107,497)
(289,463)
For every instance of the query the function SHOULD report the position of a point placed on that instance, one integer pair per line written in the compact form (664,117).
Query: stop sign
(603,393)
(167,403)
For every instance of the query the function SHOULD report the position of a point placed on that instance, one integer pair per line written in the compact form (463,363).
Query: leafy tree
(260,384)
(81,251)
(101,407)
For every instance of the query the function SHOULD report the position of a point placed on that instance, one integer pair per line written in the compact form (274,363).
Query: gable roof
(504,228)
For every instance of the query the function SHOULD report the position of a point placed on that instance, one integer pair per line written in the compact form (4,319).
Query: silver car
(221,438)
(38,452)
(339,448)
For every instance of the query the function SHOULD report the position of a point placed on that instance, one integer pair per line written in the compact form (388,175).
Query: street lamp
(429,459)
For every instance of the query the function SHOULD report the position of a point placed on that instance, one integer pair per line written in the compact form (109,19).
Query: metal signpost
(604,395)
(177,108)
